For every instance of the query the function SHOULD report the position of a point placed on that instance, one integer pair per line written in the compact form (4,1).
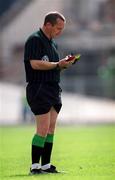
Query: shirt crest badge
(45,58)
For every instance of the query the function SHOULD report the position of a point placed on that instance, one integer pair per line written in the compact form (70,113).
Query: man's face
(57,28)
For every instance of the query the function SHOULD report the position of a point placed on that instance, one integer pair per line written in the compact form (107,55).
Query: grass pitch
(82,152)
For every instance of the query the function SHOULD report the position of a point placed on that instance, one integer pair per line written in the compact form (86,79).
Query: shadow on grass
(18,175)
(27,175)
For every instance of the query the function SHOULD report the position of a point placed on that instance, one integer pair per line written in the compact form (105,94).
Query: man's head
(53,24)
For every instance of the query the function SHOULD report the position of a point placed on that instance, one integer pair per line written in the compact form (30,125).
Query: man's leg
(46,156)
(42,127)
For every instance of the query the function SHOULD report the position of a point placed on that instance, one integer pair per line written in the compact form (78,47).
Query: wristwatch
(57,67)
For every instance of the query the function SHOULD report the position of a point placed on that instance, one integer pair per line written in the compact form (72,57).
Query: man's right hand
(63,63)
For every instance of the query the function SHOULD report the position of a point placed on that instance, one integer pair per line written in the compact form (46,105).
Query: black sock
(47,150)
(37,147)
(46,153)
(36,154)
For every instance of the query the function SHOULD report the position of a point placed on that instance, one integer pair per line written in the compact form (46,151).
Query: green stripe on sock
(38,140)
(49,138)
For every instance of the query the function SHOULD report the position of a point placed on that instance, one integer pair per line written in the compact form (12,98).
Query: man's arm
(45,65)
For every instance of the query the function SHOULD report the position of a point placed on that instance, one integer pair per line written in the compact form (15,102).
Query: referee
(42,68)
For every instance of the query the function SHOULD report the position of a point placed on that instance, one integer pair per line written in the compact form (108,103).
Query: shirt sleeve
(32,49)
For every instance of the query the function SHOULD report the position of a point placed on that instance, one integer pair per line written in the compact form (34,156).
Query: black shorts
(42,96)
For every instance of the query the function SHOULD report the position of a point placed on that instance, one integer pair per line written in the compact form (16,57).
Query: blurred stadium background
(89,86)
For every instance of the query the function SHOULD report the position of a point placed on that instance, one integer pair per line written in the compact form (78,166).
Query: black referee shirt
(39,47)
